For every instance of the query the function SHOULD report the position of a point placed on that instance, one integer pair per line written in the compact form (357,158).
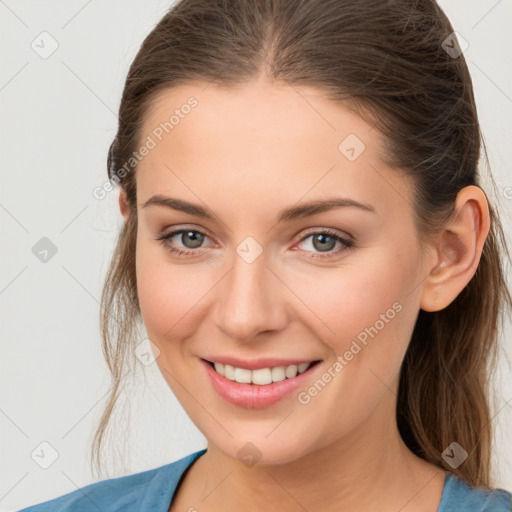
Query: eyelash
(347,243)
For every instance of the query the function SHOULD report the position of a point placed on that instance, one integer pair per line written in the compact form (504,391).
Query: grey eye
(323,242)
(191,239)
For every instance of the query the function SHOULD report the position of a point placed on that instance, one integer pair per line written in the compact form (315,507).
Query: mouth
(261,386)
(261,376)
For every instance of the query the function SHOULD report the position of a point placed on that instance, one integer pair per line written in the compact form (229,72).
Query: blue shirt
(153,490)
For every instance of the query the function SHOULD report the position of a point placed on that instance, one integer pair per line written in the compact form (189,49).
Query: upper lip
(254,364)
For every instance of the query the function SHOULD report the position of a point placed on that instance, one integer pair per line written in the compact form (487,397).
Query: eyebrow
(291,213)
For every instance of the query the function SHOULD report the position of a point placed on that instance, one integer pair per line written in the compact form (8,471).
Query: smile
(261,386)
(260,376)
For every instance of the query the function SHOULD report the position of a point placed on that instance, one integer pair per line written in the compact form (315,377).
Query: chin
(262,450)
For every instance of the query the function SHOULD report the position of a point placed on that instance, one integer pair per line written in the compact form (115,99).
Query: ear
(458,248)
(124,206)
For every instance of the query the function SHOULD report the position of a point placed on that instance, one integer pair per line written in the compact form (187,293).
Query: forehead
(277,143)
(254,114)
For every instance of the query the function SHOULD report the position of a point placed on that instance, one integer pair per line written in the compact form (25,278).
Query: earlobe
(123,204)
(458,250)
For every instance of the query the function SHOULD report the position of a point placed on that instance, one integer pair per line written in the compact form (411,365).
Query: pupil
(321,239)
(194,237)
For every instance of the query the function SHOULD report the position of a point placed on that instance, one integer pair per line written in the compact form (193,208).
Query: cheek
(164,290)
(370,313)
(366,292)
(367,314)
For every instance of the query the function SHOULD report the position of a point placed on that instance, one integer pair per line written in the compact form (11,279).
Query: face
(250,278)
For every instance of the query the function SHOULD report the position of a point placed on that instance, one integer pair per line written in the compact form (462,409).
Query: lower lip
(253,396)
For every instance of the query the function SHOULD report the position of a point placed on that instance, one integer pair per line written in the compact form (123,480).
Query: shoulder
(458,495)
(148,490)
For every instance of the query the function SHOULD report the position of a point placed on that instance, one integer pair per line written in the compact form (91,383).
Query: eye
(323,242)
(191,240)
(188,242)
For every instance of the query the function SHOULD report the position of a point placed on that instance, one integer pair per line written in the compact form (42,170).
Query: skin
(246,154)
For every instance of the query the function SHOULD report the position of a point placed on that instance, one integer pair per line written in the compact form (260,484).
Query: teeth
(242,375)
(303,367)
(261,376)
(229,372)
(278,373)
(291,371)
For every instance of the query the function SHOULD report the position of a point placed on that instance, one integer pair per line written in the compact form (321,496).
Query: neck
(359,471)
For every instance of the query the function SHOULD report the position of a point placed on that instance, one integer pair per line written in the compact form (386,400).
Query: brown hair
(386,59)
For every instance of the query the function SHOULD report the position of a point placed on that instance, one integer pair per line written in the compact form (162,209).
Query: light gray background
(58,119)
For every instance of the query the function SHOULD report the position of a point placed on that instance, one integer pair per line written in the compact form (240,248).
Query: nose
(251,301)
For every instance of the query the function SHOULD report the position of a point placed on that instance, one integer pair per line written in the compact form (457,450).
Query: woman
(313,258)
